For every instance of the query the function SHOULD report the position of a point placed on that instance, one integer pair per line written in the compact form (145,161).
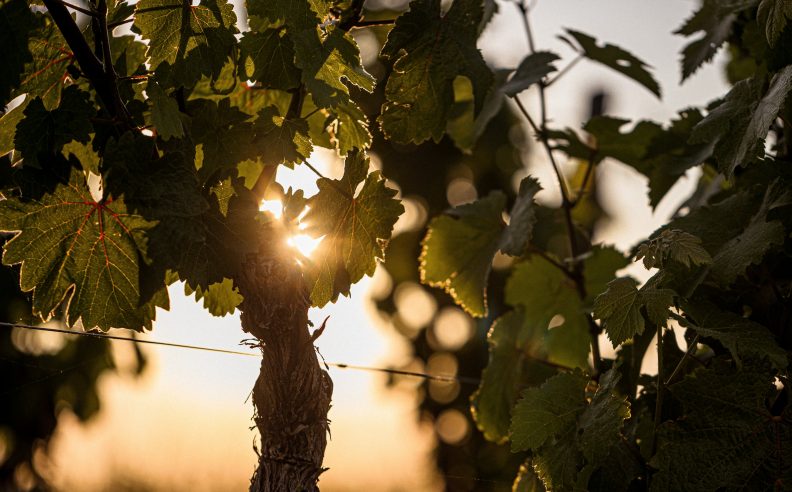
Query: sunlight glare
(304,243)
(275,207)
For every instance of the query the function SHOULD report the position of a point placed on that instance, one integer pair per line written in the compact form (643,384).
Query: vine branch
(566,203)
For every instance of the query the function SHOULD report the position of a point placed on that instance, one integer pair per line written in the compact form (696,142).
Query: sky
(186,423)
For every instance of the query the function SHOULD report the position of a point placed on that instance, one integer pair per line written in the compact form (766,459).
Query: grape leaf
(458,249)
(518,233)
(280,140)
(620,306)
(513,343)
(532,69)
(527,480)
(739,335)
(267,57)
(8,126)
(715,18)
(80,253)
(739,124)
(47,74)
(192,40)
(602,420)
(547,411)
(41,133)
(463,272)
(164,112)
(775,15)
(617,59)
(728,438)
(16,23)
(570,431)
(348,128)
(356,226)
(223,132)
(220,298)
(192,236)
(325,54)
(750,245)
(545,293)
(429,51)
(674,245)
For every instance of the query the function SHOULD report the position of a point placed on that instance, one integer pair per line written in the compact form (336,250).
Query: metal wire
(338,365)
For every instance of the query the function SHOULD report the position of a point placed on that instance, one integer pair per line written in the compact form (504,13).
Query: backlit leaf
(192,40)
(458,249)
(164,112)
(79,253)
(355,226)
(429,50)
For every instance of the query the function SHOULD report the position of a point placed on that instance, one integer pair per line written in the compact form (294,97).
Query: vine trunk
(292,393)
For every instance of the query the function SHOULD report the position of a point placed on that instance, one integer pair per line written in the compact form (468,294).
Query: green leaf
(547,411)
(348,128)
(617,59)
(531,70)
(356,226)
(267,57)
(739,335)
(601,422)
(220,298)
(8,126)
(224,134)
(47,74)
(79,253)
(192,40)
(570,431)
(41,133)
(558,464)
(326,55)
(458,249)
(518,233)
(527,480)
(164,112)
(757,238)
(280,140)
(514,343)
(775,15)
(429,51)
(192,237)
(715,18)
(673,245)
(728,439)
(545,293)
(620,306)
(16,25)
(84,152)
(739,125)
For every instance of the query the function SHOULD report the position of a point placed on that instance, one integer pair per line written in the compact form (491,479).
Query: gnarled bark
(292,393)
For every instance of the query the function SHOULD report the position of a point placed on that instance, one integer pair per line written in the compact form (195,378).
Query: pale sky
(186,422)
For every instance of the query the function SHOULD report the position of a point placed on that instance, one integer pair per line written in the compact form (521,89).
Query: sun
(303,243)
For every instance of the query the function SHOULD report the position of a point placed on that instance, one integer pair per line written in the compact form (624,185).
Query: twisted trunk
(292,393)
